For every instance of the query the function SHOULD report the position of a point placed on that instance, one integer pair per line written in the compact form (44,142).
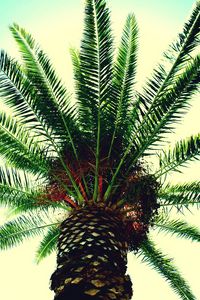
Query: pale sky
(57,25)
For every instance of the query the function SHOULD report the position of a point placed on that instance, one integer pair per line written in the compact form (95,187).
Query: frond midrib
(23,145)
(50,241)
(30,229)
(172,69)
(95,195)
(172,167)
(121,92)
(156,131)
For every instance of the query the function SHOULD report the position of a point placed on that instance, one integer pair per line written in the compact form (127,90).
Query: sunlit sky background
(57,25)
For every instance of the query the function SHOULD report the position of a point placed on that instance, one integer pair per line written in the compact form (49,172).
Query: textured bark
(92,256)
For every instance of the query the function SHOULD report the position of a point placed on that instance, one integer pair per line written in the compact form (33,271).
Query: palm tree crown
(65,154)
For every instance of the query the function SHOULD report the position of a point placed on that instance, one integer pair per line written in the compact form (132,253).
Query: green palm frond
(15,189)
(48,244)
(75,58)
(184,151)
(95,62)
(162,117)
(180,51)
(193,186)
(178,56)
(23,227)
(179,201)
(68,156)
(166,96)
(177,227)
(123,80)
(53,98)
(96,70)
(180,195)
(19,148)
(86,117)
(20,95)
(13,177)
(20,195)
(54,104)
(161,263)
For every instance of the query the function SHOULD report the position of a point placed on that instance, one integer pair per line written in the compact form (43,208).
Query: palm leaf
(86,118)
(21,96)
(166,96)
(180,195)
(19,148)
(184,151)
(159,121)
(23,227)
(161,263)
(123,80)
(15,189)
(26,101)
(48,244)
(54,104)
(52,97)
(75,57)
(180,51)
(95,65)
(193,186)
(177,227)
(178,56)
(19,196)
(13,177)
(95,60)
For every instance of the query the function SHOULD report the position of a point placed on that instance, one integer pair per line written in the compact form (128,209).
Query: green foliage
(161,263)
(96,71)
(177,227)
(19,148)
(53,103)
(180,195)
(178,56)
(19,194)
(48,244)
(92,148)
(23,227)
(166,96)
(54,99)
(124,73)
(14,191)
(95,63)
(183,152)
(193,186)
(20,95)
(110,124)
(162,115)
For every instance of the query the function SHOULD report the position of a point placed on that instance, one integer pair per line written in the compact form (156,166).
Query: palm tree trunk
(92,256)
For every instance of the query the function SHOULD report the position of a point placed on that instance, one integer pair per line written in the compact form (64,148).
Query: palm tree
(76,169)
